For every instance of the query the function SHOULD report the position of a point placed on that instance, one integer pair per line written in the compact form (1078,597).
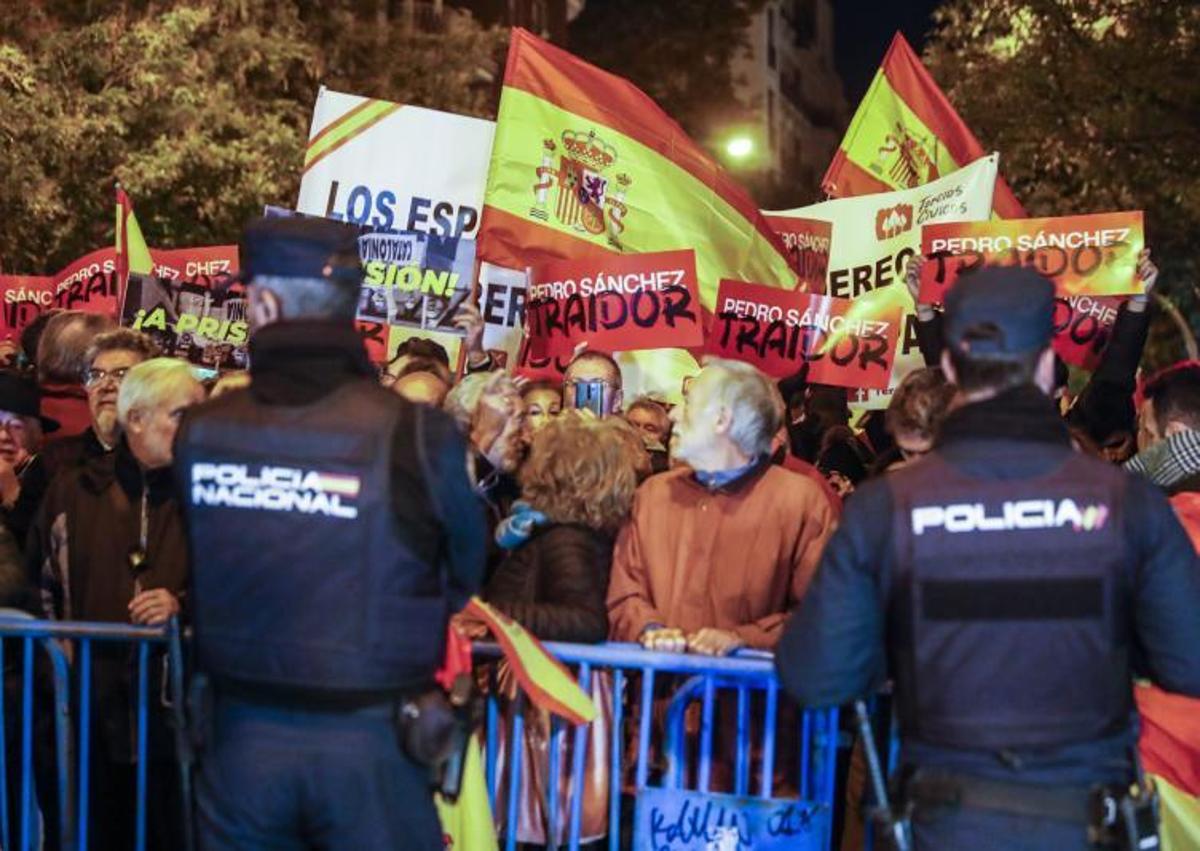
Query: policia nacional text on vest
(302,582)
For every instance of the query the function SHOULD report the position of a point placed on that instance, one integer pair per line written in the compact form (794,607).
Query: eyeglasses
(93,377)
(9,422)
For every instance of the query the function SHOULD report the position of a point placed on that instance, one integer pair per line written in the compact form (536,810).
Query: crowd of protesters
(608,518)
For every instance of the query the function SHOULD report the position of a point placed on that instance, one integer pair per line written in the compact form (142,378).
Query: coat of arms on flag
(583,187)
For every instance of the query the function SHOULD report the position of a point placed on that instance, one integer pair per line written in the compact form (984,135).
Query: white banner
(395,167)
(875,235)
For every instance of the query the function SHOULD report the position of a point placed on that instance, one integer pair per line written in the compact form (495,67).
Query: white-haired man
(111,547)
(718,551)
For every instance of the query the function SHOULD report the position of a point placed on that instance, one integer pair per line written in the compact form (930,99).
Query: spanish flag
(906,133)
(545,680)
(584,164)
(1170,749)
(133,255)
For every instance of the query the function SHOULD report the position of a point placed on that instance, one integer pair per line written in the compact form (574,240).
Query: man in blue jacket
(1010,587)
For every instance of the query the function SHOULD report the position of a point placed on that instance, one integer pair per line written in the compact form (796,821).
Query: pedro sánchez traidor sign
(846,343)
(617,303)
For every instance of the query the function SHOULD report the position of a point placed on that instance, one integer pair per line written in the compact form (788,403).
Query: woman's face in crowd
(541,406)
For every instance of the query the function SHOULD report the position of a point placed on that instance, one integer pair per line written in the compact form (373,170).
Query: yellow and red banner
(1092,255)
(634,301)
(543,678)
(585,166)
(845,343)
(906,133)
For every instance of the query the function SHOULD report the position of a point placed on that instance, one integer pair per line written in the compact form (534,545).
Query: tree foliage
(679,52)
(1094,105)
(200,108)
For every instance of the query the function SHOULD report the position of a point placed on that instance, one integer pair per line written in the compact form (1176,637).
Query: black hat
(20,395)
(301,247)
(1000,312)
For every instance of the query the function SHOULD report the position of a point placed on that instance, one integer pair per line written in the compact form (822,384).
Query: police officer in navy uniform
(333,531)
(1011,588)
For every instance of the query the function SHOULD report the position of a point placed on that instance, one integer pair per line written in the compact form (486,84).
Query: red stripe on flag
(556,76)
(338,122)
(1170,736)
(846,178)
(539,243)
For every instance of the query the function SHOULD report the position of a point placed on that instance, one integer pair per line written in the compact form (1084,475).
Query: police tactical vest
(300,576)
(1008,615)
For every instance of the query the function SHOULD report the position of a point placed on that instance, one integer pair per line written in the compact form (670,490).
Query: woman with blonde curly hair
(578,483)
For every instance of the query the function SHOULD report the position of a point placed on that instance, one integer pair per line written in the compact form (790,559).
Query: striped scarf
(1169,461)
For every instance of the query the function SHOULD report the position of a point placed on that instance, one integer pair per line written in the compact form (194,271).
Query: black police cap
(1000,312)
(300,247)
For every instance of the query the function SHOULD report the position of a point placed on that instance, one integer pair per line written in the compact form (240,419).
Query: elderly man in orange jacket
(719,550)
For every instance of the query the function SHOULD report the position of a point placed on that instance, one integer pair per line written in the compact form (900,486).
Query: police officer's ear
(264,306)
(1043,375)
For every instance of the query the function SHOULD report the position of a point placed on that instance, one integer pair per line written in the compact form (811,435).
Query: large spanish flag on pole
(906,133)
(584,164)
(133,255)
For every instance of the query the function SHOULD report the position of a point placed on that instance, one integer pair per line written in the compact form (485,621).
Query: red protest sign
(374,336)
(1082,328)
(25,297)
(548,368)
(848,343)
(203,264)
(1093,255)
(617,303)
(807,241)
(90,283)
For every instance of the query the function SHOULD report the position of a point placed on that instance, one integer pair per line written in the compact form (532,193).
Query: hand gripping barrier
(66,648)
(725,689)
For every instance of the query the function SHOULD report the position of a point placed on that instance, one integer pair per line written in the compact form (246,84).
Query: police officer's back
(332,531)
(1010,587)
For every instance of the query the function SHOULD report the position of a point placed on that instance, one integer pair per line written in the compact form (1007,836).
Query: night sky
(864,28)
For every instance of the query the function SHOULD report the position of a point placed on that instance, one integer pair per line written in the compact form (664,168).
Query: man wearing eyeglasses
(108,358)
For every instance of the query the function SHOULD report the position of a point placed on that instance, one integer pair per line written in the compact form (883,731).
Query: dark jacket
(833,647)
(87,526)
(64,454)
(555,584)
(297,363)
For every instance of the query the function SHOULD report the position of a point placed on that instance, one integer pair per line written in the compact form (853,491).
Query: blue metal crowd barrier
(804,821)
(68,649)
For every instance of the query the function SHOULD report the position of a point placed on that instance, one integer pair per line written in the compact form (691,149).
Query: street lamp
(739,147)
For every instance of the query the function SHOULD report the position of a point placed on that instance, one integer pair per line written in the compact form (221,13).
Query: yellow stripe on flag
(129,238)
(345,128)
(667,207)
(1180,816)
(888,140)
(544,679)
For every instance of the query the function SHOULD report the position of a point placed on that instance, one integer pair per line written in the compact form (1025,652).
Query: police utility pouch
(1124,818)
(435,729)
